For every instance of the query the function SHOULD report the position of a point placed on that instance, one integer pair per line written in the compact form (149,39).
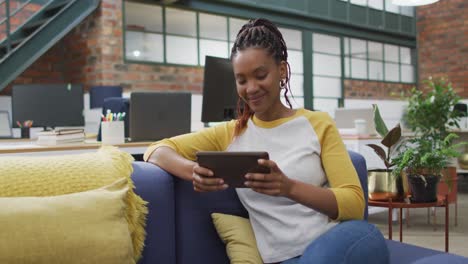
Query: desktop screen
(48,105)
(219,90)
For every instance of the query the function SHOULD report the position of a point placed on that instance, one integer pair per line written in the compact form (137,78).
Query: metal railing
(12,13)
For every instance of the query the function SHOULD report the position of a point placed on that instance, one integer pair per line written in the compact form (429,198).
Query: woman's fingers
(270,164)
(208,188)
(274,183)
(207,180)
(204,180)
(260,177)
(263,184)
(202,171)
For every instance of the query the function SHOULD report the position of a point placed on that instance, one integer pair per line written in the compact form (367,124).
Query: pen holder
(25,132)
(361,127)
(112,132)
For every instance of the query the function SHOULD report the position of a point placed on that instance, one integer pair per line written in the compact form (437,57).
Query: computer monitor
(219,91)
(345,118)
(48,105)
(97,95)
(158,115)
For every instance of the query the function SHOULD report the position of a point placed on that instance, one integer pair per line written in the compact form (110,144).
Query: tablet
(232,166)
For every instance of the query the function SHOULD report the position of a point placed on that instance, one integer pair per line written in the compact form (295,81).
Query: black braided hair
(260,33)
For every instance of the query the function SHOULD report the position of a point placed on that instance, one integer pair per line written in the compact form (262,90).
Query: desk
(400,205)
(15,147)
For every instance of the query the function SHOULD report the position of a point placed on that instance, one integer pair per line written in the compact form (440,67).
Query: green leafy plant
(429,116)
(423,157)
(430,111)
(390,138)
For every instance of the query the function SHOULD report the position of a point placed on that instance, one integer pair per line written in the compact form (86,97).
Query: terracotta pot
(383,185)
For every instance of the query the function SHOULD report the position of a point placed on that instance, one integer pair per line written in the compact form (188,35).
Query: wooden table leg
(446,224)
(400,219)
(407,217)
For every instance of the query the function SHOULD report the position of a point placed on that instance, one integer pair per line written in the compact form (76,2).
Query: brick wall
(443,42)
(356,89)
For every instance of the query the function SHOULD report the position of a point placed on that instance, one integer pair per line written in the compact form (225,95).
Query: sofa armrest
(361,168)
(156,186)
(197,239)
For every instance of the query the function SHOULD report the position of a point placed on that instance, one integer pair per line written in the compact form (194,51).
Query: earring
(282,84)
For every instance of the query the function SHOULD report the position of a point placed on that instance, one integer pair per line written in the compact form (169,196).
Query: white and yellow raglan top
(306,147)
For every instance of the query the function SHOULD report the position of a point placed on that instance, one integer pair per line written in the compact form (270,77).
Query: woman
(296,209)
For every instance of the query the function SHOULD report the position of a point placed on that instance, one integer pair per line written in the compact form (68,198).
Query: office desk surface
(30,147)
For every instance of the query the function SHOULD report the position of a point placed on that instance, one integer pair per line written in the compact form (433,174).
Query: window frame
(348,56)
(307,49)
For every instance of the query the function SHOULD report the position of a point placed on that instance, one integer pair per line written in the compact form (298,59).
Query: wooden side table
(400,205)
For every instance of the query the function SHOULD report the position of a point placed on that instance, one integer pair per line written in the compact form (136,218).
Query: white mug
(112,132)
(361,127)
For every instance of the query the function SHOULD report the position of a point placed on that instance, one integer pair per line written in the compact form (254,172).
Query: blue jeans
(348,242)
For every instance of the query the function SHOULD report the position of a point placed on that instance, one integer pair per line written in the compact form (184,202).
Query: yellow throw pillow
(236,232)
(85,227)
(57,175)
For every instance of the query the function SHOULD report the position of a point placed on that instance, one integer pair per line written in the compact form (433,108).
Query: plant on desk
(423,157)
(382,183)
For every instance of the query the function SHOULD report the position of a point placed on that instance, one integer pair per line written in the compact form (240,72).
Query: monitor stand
(47,128)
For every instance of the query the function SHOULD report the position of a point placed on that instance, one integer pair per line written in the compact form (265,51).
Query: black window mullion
(349,58)
(164,34)
(228,25)
(367,60)
(197,18)
(124,30)
(399,65)
(341,100)
(384,61)
(308,71)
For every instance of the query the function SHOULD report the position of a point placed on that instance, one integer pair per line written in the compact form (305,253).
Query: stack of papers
(61,136)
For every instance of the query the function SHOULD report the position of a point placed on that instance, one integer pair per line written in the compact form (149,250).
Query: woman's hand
(204,181)
(274,183)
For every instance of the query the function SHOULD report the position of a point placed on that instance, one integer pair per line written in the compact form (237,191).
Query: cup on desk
(112,132)
(361,127)
(25,132)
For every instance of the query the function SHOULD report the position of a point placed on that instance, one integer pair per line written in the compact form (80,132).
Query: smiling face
(257,78)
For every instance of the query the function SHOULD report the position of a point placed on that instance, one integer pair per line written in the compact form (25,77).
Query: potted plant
(382,183)
(424,156)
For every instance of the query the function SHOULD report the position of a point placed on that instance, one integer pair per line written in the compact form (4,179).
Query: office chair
(116,105)
(462,108)
(97,94)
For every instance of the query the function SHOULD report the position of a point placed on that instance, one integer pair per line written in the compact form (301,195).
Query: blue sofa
(179,227)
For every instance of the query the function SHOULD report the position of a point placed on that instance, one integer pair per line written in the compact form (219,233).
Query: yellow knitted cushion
(56,175)
(84,227)
(236,232)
